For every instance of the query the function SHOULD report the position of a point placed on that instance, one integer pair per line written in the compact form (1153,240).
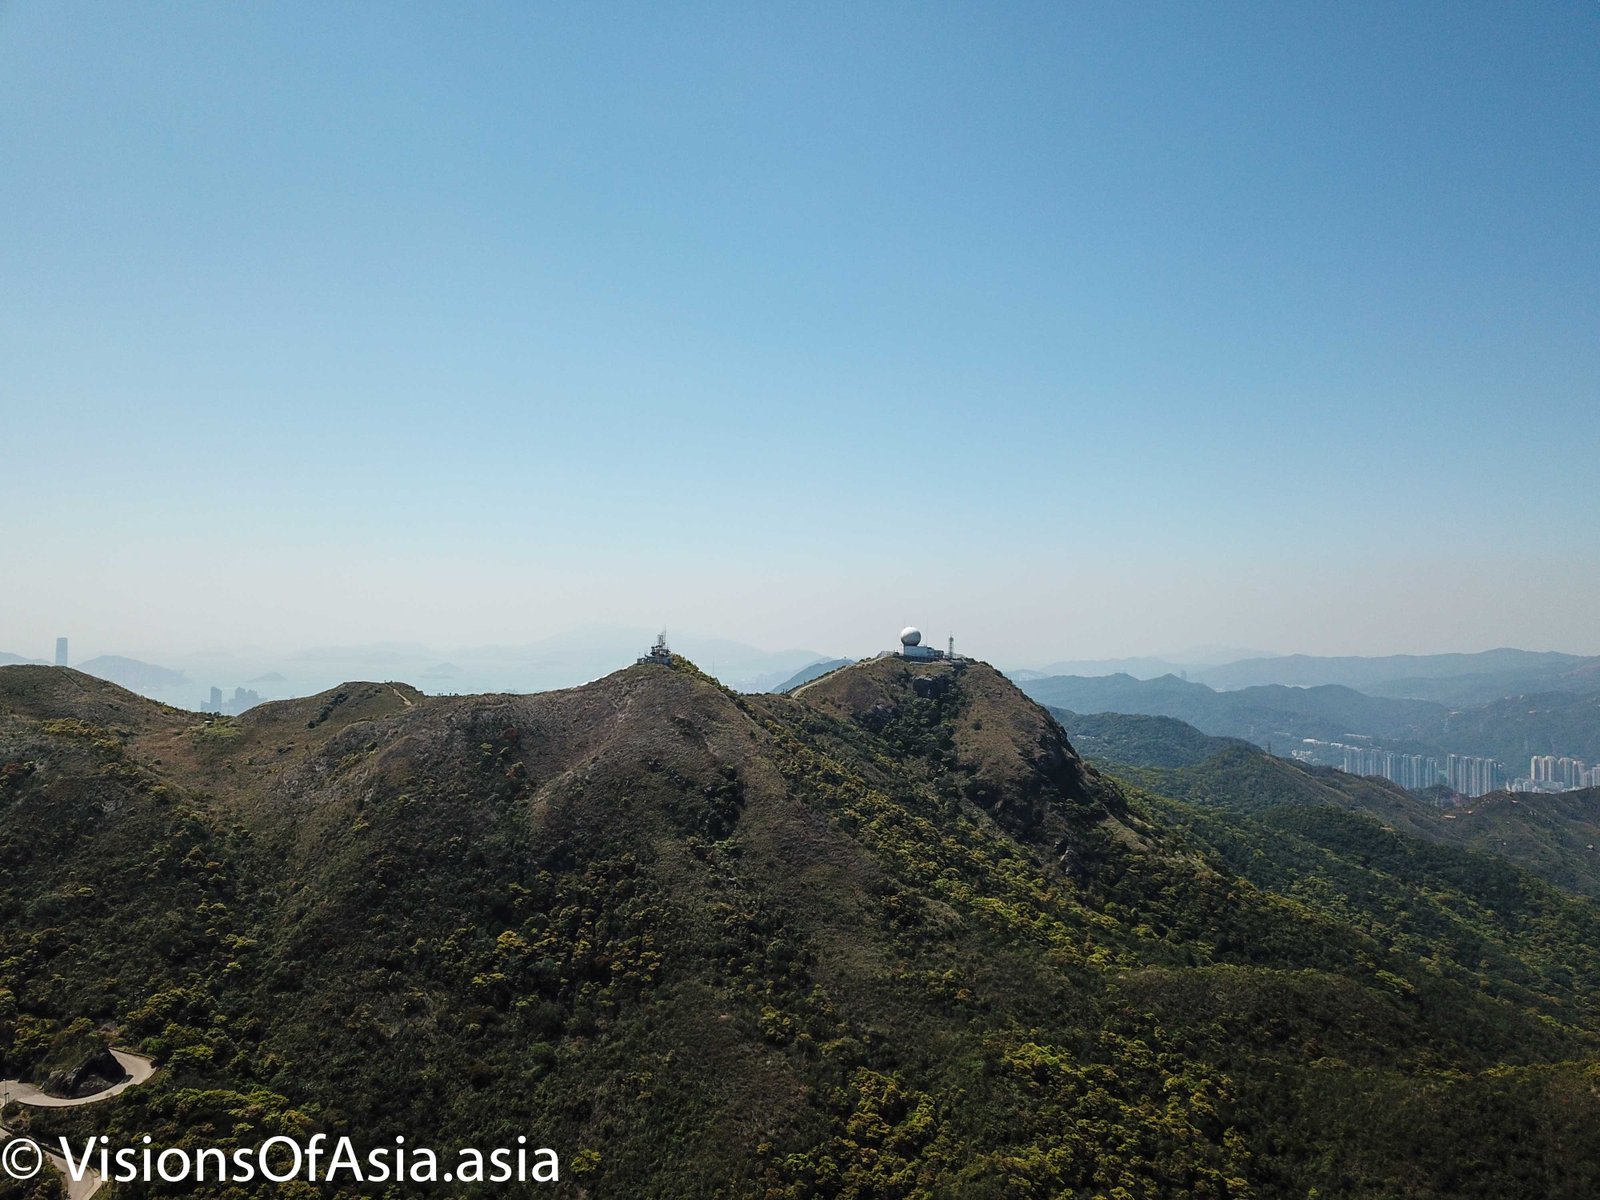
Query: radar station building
(659,654)
(911,647)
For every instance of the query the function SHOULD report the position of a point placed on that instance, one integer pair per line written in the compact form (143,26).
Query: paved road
(138,1068)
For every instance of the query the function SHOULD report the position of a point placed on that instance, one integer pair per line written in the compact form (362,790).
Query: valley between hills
(889,935)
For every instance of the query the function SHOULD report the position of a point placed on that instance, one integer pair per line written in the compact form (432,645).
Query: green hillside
(1555,836)
(1131,739)
(888,936)
(1242,779)
(1517,727)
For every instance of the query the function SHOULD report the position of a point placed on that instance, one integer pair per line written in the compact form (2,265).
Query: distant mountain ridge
(1257,714)
(815,671)
(1128,739)
(1517,727)
(1453,679)
(1510,730)
(1144,666)
(133,674)
(1446,678)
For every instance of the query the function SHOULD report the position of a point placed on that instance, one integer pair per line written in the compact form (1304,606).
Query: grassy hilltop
(887,936)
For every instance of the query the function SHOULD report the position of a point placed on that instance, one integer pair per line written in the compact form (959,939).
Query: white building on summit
(911,646)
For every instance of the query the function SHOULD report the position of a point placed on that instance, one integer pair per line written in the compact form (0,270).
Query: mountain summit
(887,936)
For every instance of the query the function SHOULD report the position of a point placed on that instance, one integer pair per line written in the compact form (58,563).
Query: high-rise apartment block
(1562,774)
(1407,770)
(1473,776)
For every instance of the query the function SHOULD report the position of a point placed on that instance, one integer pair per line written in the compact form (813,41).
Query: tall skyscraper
(61,652)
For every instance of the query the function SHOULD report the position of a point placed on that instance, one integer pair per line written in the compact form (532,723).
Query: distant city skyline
(1075,332)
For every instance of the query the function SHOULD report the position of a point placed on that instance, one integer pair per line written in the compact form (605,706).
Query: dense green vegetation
(1554,836)
(886,937)
(1517,727)
(1128,739)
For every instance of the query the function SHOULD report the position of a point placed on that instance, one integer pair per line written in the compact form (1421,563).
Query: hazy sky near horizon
(1077,330)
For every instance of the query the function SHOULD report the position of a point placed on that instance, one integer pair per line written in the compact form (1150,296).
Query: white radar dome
(910,636)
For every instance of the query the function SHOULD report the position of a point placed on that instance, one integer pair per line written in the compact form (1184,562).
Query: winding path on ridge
(139,1070)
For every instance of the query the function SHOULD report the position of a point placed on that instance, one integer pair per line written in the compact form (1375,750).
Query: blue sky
(1079,329)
